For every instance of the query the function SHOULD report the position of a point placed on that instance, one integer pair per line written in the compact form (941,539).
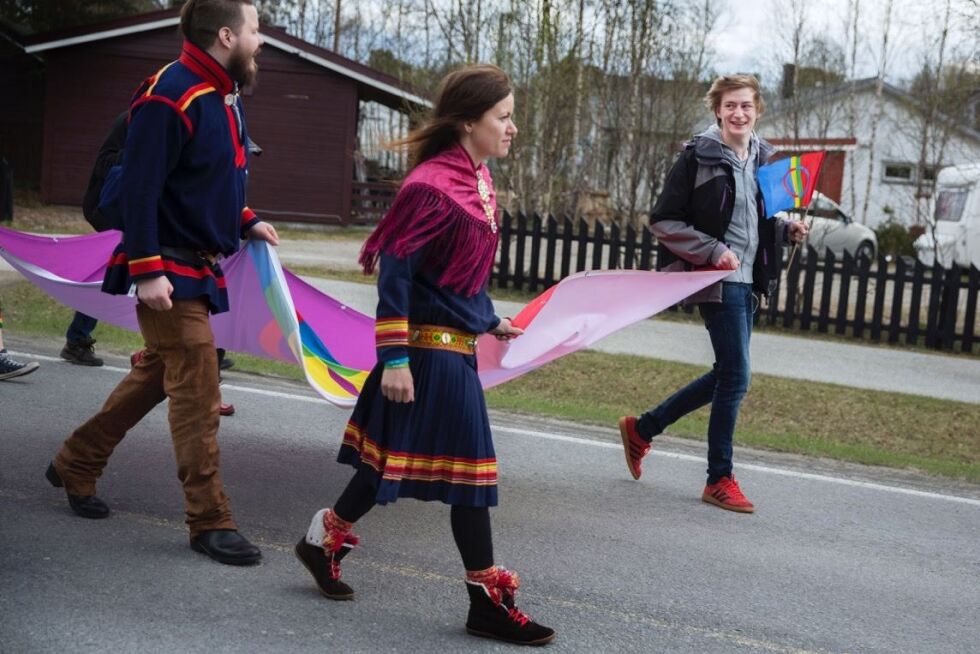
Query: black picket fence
(901,301)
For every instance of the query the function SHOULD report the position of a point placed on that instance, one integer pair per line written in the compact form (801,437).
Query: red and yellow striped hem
(399,466)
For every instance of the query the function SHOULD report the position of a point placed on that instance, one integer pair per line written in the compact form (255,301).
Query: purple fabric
(578,312)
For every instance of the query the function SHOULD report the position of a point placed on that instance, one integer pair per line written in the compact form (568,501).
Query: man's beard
(242,68)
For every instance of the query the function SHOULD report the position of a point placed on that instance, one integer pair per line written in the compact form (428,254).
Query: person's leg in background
(79,344)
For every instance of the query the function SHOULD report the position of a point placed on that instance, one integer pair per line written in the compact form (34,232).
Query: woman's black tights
(470,524)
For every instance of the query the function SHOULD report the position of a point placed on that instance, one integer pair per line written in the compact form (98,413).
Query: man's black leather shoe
(87,506)
(226,546)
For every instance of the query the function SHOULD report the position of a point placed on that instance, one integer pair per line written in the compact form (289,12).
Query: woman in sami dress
(420,427)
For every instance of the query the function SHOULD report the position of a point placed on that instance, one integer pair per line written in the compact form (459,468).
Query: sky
(748,39)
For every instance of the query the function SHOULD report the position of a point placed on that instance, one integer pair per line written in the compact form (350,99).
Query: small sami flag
(789,183)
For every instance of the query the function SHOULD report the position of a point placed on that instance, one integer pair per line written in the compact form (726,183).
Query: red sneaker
(226,409)
(636,448)
(726,494)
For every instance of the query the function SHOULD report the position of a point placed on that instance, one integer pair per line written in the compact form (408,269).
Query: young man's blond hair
(726,83)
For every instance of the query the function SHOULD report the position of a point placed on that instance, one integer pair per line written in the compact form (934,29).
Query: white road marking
(589,442)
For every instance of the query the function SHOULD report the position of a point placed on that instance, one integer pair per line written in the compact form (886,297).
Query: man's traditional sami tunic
(182,189)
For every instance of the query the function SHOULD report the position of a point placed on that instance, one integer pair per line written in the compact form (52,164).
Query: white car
(832,229)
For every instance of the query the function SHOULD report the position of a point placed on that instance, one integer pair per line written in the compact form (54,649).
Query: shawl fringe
(463,246)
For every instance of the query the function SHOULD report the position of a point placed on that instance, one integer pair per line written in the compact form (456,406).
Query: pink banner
(276,315)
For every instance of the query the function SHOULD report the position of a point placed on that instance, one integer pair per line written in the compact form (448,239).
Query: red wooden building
(303,112)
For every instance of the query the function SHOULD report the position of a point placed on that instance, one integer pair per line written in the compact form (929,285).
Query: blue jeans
(80,328)
(729,323)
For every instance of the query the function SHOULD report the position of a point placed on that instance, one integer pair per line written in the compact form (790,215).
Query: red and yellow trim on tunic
(399,466)
(193,93)
(142,266)
(247,215)
(390,332)
(152,81)
(157,263)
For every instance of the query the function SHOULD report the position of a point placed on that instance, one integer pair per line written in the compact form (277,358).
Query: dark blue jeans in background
(81,328)
(729,323)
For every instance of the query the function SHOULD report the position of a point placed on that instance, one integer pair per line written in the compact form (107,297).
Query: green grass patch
(353,233)
(871,427)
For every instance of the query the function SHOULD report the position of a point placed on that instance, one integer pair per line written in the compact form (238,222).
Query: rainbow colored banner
(276,315)
(789,183)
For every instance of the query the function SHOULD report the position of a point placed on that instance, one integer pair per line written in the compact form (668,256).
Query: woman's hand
(505,331)
(397,385)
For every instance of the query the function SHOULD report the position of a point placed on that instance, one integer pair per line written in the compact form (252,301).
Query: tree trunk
(876,115)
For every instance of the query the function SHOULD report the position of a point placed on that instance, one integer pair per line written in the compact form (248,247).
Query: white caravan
(957,219)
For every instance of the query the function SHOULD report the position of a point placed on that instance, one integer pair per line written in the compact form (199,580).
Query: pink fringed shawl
(438,203)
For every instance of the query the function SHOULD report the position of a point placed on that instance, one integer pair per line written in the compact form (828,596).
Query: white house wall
(897,142)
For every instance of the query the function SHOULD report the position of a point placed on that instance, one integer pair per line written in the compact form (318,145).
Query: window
(899,173)
(929,174)
(949,205)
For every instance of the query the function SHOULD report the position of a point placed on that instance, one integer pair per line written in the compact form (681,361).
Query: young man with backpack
(182,202)
(711,213)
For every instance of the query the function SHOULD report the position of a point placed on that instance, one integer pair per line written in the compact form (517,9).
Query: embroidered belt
(441,338)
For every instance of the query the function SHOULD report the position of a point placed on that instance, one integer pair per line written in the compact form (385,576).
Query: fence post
(519,251)
(881,282)
(598,239)
(792,287)
(809,282)
(646,249)
(947,308)
(860,303)
(844,296)
(613,247)
(629,262)
(503,271)
(827,285)
(932,318)
(915,303)
(969,319)
(568,227)
(535,274)
(895,324)
(549,258)
(583,244)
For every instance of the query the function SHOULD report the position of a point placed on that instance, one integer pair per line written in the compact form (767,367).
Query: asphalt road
(838,557)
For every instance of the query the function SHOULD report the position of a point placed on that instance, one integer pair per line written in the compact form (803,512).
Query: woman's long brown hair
(464,95)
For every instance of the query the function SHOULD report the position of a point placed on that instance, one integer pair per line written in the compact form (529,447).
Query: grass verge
(863,426)
(871,427)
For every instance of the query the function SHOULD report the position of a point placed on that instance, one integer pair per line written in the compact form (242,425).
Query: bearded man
(182,199)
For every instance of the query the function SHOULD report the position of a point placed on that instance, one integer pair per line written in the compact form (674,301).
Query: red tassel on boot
(493,613)
(327,541)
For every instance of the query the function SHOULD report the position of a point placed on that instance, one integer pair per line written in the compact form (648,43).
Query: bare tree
(876,111)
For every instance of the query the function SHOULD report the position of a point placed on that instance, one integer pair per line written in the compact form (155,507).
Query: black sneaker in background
(81,352)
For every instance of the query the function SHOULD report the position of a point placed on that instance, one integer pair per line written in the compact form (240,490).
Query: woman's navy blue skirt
(438,447)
